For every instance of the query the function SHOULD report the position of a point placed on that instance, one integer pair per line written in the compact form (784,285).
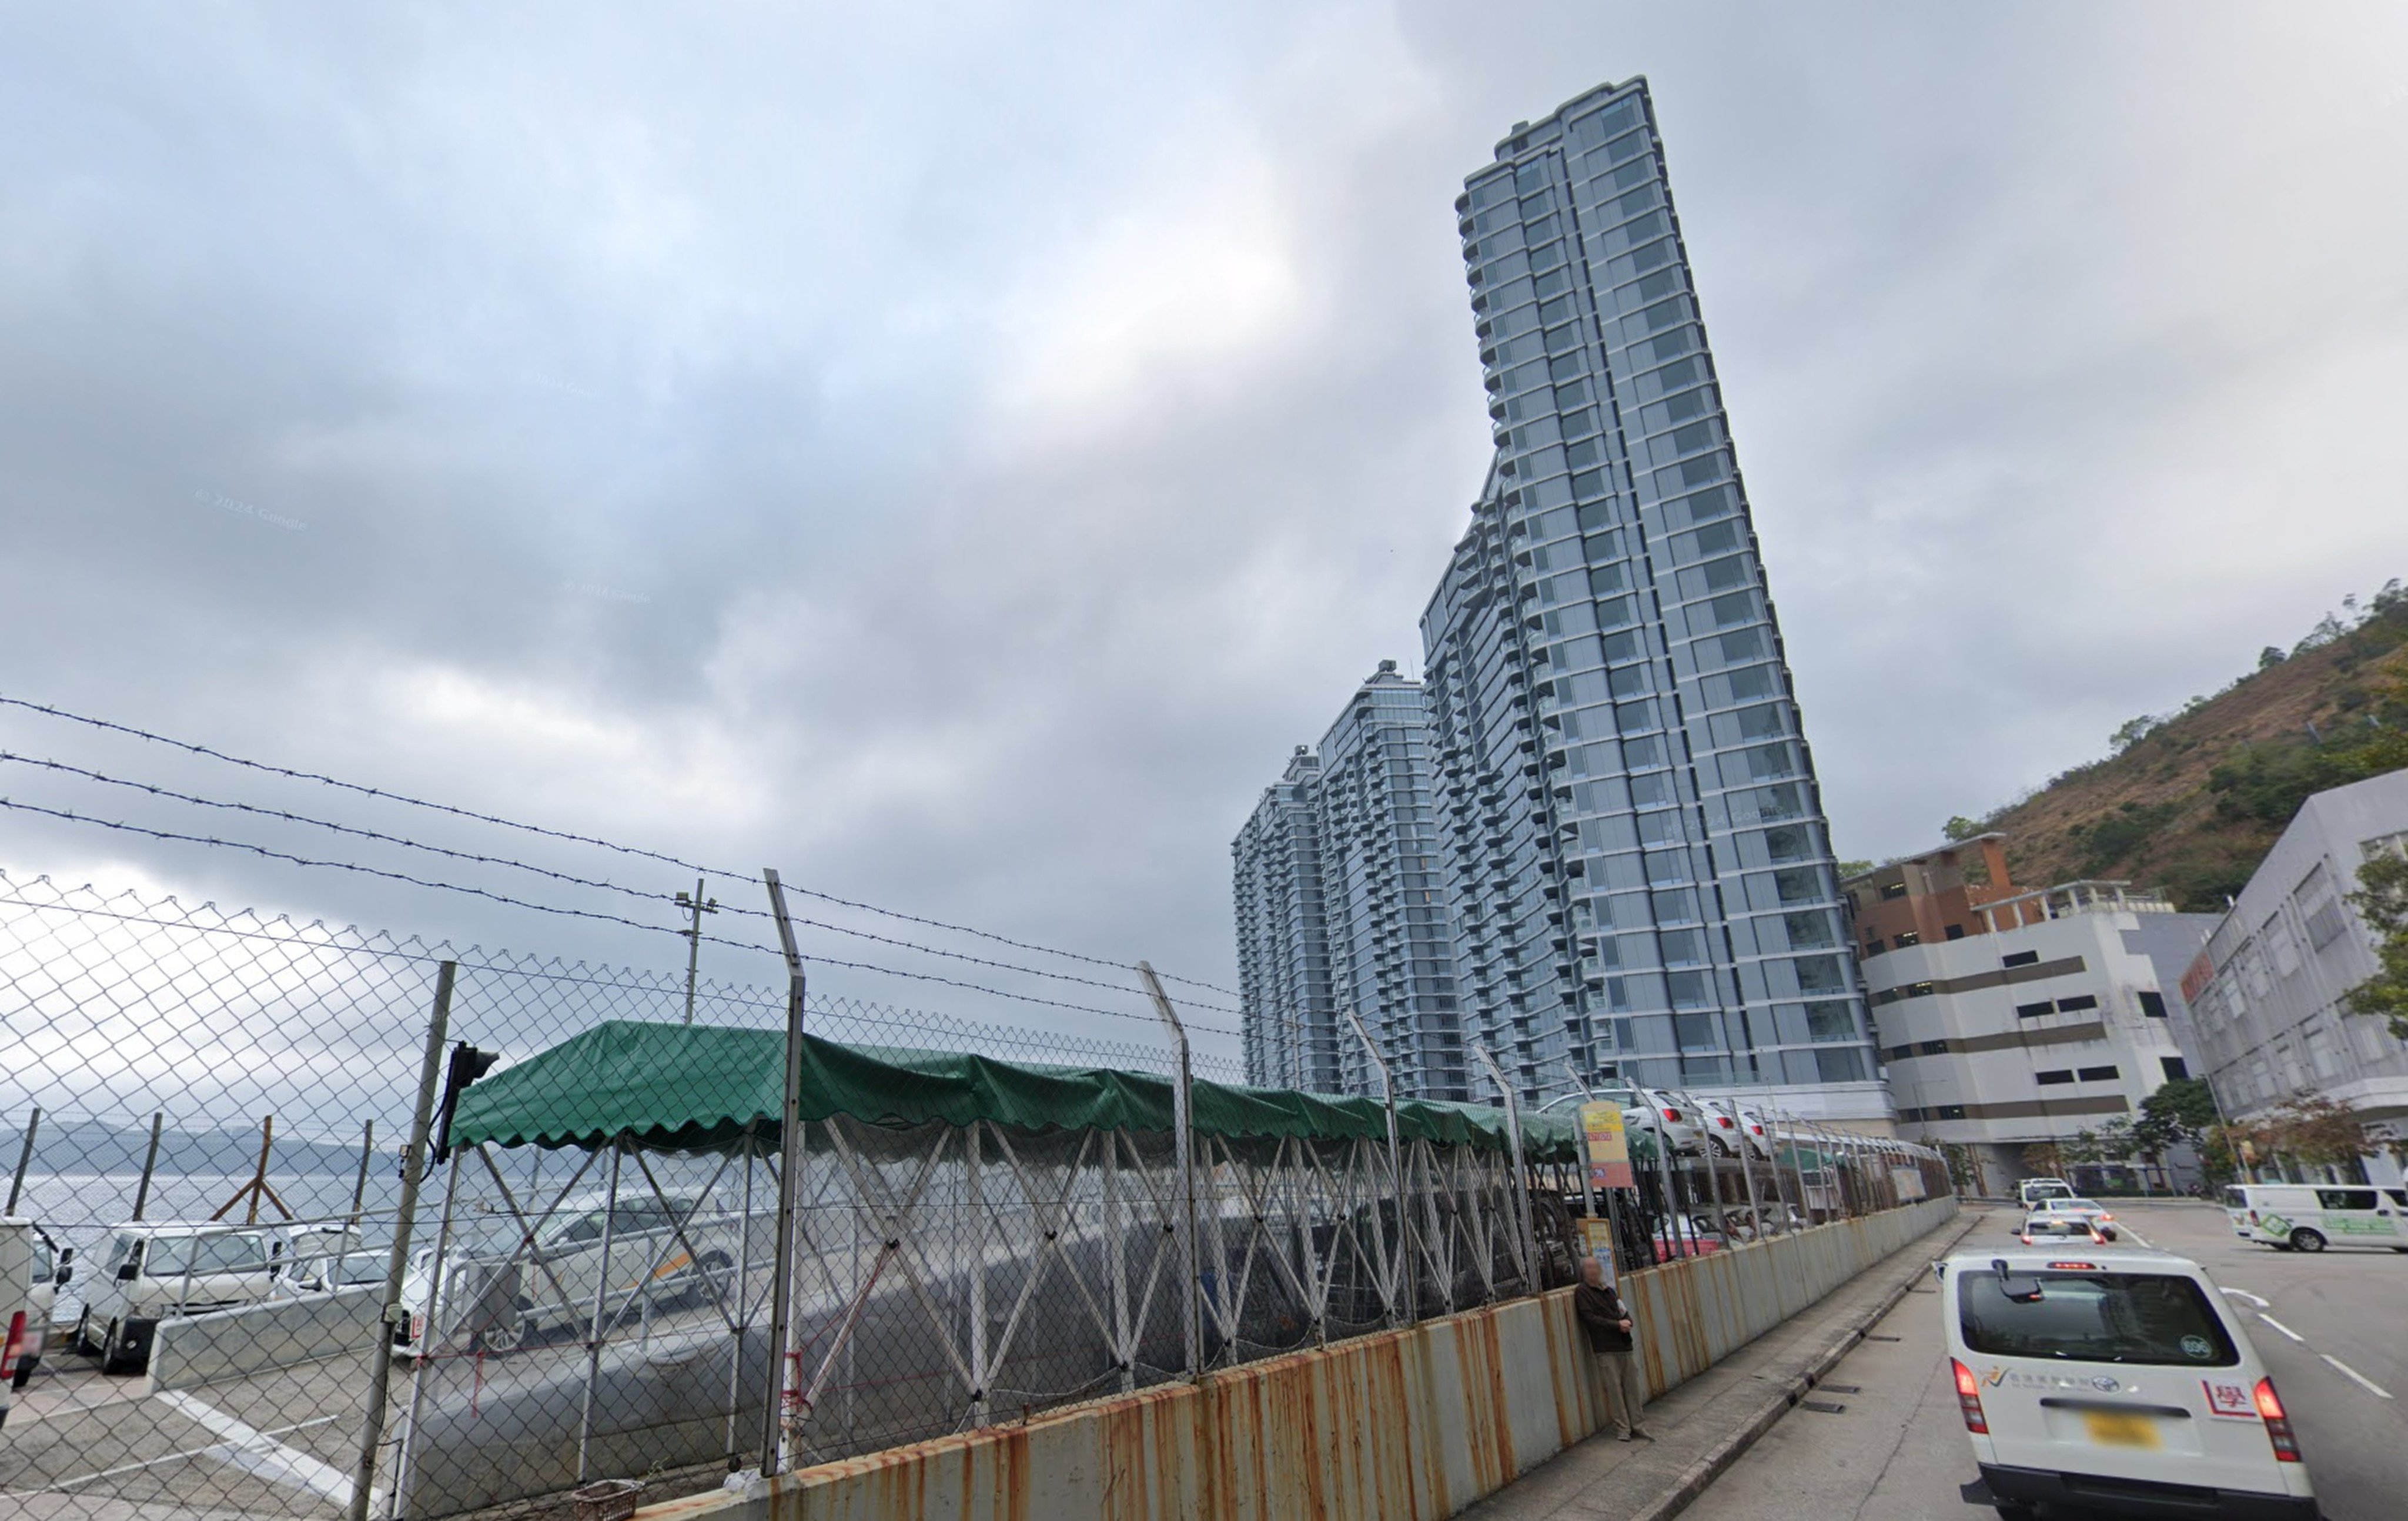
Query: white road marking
(2356,1377)
(220,1450)
(2280,1327)
(2245,1294)
(255,1452)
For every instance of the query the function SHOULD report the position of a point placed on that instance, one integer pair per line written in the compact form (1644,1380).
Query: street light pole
(695,907)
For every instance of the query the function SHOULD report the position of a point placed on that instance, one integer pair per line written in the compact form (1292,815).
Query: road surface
(2332,1329)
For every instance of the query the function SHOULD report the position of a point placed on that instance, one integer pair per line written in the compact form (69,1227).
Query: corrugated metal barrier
(1416,1423)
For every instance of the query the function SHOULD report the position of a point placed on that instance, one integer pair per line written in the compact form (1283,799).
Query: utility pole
(695,907)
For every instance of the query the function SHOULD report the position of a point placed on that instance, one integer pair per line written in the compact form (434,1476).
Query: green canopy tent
(680,1087)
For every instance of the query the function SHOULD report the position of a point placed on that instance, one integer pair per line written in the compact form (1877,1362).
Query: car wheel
(714,1276)
(2308,1241)
(114,1356)
(510,1335)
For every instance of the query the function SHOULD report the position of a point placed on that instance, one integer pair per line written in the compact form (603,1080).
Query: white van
(161,1271)
(17,1312)
(2032,1190)
(2309,1217)
(2117,1380)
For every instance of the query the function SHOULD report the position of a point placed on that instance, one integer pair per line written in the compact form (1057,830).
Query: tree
(1960,827)
(2132,732)
(2044,1159)
(2317,1132)
(2381,901)
(2179,1113)
(2269,657)
(1854,868)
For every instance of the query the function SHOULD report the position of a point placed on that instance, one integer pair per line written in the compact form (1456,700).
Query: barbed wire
(477,858)
(722,872)
(176,837)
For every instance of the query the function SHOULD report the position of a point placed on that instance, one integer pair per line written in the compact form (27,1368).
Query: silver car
(506,1281)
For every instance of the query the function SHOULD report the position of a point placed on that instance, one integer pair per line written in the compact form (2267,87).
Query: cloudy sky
(952,452)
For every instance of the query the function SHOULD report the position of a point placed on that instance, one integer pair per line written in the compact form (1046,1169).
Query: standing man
(1608,1323)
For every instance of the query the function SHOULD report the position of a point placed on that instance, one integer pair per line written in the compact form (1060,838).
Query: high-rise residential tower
(1340,909)
(1641,883)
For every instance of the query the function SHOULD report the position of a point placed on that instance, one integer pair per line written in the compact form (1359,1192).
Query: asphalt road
(2332,1329)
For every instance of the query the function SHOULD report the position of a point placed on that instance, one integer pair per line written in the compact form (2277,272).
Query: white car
(2030,1192)
(2301,1217)
(52,1267)
(2089,1209)
(1733,1125)
(1666,1114)
(16,1312)
(166,1269)
(2116,1379)
(500,1289)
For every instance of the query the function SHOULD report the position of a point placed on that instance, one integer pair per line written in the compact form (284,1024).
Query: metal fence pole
(1404,1290)
(601,1314)
(149,1165)
(1191,1328)
(24,1159)
(413,1168)
(786,1366)
(1520,1201)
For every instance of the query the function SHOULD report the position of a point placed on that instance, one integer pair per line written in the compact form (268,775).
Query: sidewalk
(1704,1425)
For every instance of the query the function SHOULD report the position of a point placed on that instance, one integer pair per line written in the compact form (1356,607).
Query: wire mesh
(207,1112)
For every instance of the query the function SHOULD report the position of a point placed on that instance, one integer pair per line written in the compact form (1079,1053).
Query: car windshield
(2235,1200)
(2091,1316)
(2044,1226)
(171,1256)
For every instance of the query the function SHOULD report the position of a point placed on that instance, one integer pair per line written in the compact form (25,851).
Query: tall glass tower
(1640,879)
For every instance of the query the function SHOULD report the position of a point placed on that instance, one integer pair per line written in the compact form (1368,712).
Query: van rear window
(2108,1318)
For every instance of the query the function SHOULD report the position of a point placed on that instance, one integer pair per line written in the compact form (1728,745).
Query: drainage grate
(1821,1407)
(1838,1389)
(1873,1338)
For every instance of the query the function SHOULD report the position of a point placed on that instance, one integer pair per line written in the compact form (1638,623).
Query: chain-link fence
(209,1116)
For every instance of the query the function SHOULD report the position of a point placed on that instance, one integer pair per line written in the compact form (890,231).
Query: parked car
(1728,1127)
(166,1269)
(2117,1380)
(16,1312)
(322,1257)
(500,1289)
(53,1264)
(1665,1114)
(2301,1217)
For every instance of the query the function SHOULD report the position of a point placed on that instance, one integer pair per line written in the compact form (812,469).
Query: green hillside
(2190,801)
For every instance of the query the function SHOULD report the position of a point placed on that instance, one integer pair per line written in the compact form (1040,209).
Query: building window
(2177,1068)
(2051,1079)
(2153,1003)
(1918,990)
(1933,1048)
(2021,958)
(2033,1011)
(1949,1111)
(2079,1001)
(1910,938)
(2098,1074)
(1956,932)
(1894,889)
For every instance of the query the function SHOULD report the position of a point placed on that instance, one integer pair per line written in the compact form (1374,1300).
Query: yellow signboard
(1598,1236)
(1609,1149)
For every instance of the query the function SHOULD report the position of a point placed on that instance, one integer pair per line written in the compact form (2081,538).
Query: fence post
(1520,1200)
(422,1119)
(601,1314)
(24,1159)
(785,1361)
(150,1165)
(1191,1330)
(1395,1172)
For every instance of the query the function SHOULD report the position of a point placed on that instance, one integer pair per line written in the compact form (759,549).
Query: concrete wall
(1416,1422)
(282,1333)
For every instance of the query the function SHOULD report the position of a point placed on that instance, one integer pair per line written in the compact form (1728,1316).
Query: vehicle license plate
(2115,1429)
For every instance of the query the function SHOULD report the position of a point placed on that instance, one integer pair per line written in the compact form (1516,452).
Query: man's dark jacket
(1601,1311)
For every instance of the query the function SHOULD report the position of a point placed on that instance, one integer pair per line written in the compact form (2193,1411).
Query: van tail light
(2253,1217)
(2278,1425)
(1969,1400)
(1672,1117)
(16,1345)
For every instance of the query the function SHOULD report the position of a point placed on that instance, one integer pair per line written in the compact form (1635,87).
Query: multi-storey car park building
(2266,990)
(2010,1017)
(1340,910)
(1642,880)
